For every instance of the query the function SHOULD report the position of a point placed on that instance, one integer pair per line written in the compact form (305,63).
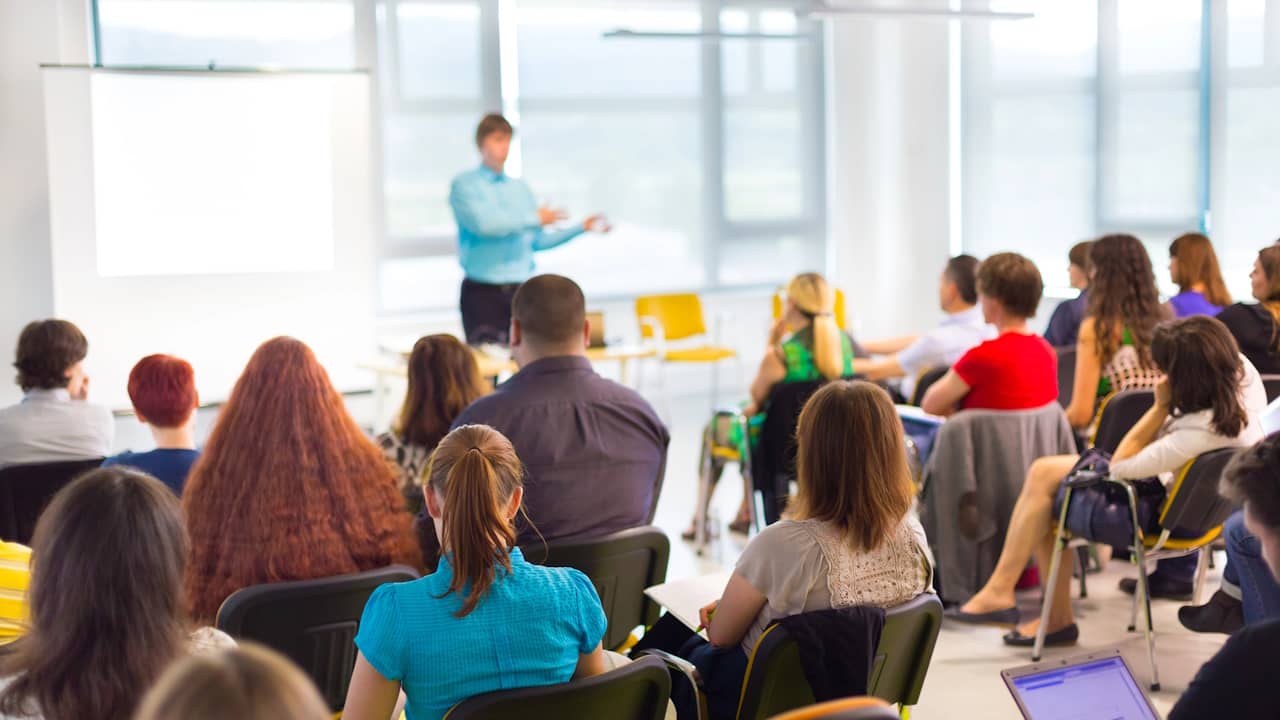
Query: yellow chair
(677,318)
(856,708)
(840,316)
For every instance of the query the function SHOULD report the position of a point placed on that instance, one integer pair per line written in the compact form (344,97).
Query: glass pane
(230,33)
(422,152)
(1061,41)
(1158,36)
(416,283)
(769,260)
(438,50)
(562,51)
(762,163)
(778,59)
(1157,160)
(1249,185)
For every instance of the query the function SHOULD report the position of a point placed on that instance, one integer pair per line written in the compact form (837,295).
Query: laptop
(1098,685)
(596,319)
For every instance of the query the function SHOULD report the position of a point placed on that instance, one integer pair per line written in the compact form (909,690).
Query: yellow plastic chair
(678,319)
(840,316)
(856,708)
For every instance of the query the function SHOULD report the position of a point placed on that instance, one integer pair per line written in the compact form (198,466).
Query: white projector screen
(200,214)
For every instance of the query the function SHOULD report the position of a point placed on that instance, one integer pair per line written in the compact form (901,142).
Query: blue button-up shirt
(498,227)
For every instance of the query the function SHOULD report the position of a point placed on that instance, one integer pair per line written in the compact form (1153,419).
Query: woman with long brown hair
(1193,267)
(108,556)
(443,380)
(288,486)
(485,619)
(850,537)
(1256,327)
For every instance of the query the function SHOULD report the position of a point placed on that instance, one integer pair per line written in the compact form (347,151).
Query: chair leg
(1082,560)
(715,386)
(706,468)
(1144,589)
(1203,556)
(1046,604)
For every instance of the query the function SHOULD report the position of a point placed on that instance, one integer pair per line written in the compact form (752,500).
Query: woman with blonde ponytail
(1256,327)
(436,639)
(805,344)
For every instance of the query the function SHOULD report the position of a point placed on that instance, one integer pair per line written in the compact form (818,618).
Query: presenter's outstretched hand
(547,215)
(598,223)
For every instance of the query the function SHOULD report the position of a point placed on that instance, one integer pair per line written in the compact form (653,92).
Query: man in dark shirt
(1238,682)
(595,451)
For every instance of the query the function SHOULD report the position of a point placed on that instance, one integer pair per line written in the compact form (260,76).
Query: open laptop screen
(1102,689)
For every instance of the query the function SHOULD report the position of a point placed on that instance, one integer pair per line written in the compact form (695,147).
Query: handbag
(1100,512)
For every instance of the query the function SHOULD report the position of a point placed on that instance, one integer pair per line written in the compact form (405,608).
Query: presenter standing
(500,227)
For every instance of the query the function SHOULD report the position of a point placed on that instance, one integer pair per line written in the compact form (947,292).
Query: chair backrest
(1118,414)
(856,708)
(1193,505)
(621,565)
(1271,385)
(635,691)
(926,381)
(840,316)
(25,491)
(312,622)
(775,680)
(773,464)
(1066,374)
(679,315)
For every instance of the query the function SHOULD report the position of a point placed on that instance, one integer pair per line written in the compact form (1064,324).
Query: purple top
(594,451)
(1190,302)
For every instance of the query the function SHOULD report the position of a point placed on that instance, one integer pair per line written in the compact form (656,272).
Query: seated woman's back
(1256,327)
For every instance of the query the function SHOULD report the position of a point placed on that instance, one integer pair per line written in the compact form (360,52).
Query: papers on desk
(684,598)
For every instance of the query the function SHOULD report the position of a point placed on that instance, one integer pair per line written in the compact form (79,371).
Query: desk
(623,355)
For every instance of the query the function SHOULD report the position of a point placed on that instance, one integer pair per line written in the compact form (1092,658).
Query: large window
(706,154)
(1146,116)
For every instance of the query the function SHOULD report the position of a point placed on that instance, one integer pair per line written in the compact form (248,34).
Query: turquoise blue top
(528,630)
(498,228)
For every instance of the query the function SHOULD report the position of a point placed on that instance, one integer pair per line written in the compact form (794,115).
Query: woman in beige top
(850,537)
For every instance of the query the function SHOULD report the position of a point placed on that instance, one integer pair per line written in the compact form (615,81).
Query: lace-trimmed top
(806,565)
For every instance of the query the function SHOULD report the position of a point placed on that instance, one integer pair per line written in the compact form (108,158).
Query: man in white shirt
(961,329)
(54,422)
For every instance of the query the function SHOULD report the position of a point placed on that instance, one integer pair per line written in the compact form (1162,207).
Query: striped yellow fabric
(15,572)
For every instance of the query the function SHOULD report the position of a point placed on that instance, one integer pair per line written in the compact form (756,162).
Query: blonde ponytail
(475,471)
(814,297)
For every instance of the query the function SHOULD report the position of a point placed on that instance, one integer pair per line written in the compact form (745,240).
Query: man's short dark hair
(1253,477)
(550,309)
(46,350)
(1078,255)
(490,124)
(1013,280)
(962,271)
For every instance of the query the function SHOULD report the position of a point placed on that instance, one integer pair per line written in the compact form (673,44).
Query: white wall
(31,32)
(889,190)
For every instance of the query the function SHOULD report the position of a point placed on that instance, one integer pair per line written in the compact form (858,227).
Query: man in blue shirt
(500,227)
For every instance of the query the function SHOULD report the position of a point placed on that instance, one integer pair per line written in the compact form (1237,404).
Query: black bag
(1100,513)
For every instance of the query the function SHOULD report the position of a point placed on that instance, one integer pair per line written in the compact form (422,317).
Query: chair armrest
(685,668)
(1085,478)
(659,338)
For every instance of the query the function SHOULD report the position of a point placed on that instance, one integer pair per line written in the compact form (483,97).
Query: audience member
(486,619)
(1017,370)
(15,576)
(1257,327)
(250,682)
(443,380)
(595,451)
(1113,349)
(962,328)
(106,601)
(1238,681)
(288,486)
(1193,267)
(54,422)
(163,391)
(1064,323)
(804,344)
(1211,398)
(850,537)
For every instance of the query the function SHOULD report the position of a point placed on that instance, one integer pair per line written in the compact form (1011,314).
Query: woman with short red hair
(163,391)
(288,486)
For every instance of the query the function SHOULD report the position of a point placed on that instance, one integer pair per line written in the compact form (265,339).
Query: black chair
(1118,414)
(312,622)
(1066,374)
(1271,385)
(926,381)
(25,491)
(774,461)
(636,691)
(621,566)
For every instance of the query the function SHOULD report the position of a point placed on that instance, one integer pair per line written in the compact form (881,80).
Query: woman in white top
(1211,398)
(105,601)
(850,537)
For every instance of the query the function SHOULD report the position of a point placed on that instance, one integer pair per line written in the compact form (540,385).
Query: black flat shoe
(1222,614)
(1161,589)
(1007,616)
(1066,636)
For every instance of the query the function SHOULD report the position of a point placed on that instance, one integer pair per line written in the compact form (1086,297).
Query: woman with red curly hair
(288,487)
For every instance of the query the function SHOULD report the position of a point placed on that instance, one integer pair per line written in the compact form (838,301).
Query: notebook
(1097,686)
(684,598)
